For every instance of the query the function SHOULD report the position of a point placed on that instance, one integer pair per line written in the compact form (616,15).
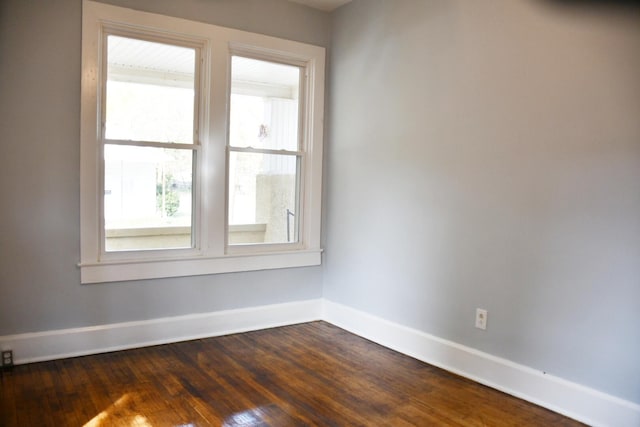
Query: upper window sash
(151,75)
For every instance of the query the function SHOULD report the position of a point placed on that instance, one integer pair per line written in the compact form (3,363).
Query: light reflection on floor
(102,417)
(248,418)
(120,412)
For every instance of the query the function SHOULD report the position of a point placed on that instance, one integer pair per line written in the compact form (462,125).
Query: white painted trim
(59,344)
(192,266)
(565,397)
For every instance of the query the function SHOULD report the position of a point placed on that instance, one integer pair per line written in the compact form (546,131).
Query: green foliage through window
(167,197)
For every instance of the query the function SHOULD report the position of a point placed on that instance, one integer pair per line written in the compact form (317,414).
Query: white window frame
(211,254)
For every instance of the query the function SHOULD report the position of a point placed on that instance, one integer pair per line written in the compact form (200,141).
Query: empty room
(319,213)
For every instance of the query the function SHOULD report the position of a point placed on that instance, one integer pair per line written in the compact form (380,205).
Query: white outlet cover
(481,318)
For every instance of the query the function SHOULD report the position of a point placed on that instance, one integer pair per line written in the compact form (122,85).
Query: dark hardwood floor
(313,374)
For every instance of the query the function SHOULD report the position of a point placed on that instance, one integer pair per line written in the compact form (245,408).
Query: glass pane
(264,104)
(263,198)
(148,198)
(150,91)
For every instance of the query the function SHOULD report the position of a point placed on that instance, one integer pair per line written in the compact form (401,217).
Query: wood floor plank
(8,400)
(312,374)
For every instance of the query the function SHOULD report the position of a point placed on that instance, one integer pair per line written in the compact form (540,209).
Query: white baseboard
(58,344)
(573,400)
(565,397)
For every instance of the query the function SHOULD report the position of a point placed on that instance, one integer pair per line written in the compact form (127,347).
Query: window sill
(118,271)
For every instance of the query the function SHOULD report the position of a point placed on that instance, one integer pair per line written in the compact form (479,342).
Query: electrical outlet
(7,358)
(481,318)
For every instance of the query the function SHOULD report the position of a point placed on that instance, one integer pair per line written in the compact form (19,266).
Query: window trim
(211,253)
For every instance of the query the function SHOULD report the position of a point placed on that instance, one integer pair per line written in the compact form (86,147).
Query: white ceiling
(326,5)
(141,55)
(143,61)
(263,72)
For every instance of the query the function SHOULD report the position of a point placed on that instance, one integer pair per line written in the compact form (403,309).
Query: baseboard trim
(59,344)
(573,400)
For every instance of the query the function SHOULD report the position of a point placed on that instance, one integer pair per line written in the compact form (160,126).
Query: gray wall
(39,174)
(481,154)
(487,154)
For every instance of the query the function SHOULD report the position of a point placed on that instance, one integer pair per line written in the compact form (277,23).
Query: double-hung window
(149,141)
(201,148)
